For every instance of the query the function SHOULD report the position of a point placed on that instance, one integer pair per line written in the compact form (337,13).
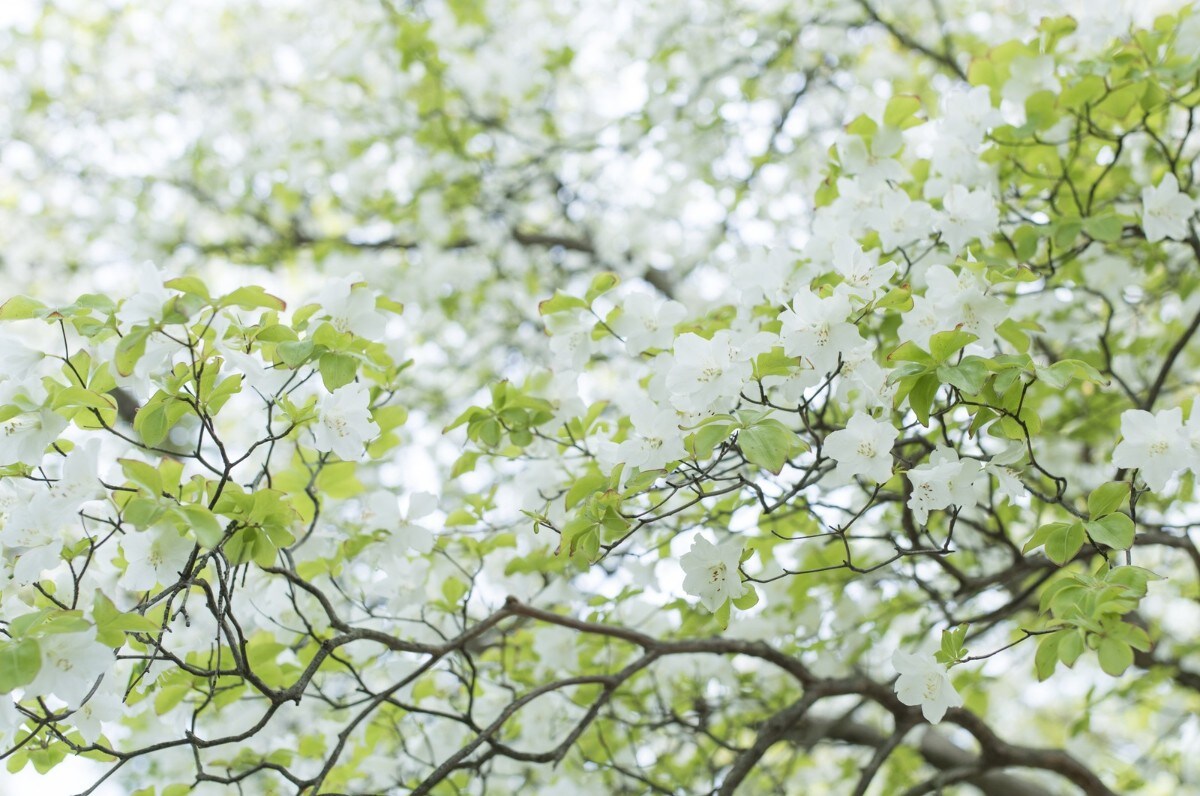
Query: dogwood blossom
(967,215)
(923,681)
(344,424)
(381,510)
(24,437)
(154,556)
(1166,211)
(861,272)
(647,322)
(946,480)
(1154,444)
(707,372)
(350,306)
(147,304)
(71,664)
(863,447)
(658,440)
(952,300)
(817,329)
(711,572)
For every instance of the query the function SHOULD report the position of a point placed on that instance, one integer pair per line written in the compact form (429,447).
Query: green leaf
(189,284)
(460,517)
(1066,230)
(295,353)
(1115,656)
(1086,90)
(968,376)
(337,370)
(747,600)
(1064,543)
(152,423)
(203,524)
(944,345)
(20,662)
(1042,534)
(560,302)
(922,395)
(19,308)
(723,613)
(769,445)
(900,110)
(130,349)
(910,352)
(1114,530)
(78,396)
(601,284)
(144,475)
(1071,647)
(112,624)
(1046,658)
(704,440)
(1107,498)
(252,297)
(1106,228)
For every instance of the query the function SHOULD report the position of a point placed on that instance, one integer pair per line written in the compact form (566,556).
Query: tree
(601,399)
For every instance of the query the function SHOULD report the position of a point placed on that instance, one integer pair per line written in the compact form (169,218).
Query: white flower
(863,447)
(381,510)
(968,115)
(71,663)
(968,215)
(952,301)
(706,372)
(570,338)
(645,322)
(10,720)
(146,305)
(944,481)
(873,166)
(712,572)
(24,437)
(1028,76)
(923,681)
(1154,444)
(1008,481)
(350,307)
(1166,211)
(862,274)
(265,379)
(344,423)
(818,329)
(103,706)
(899,220)
(154,556)
(658,440)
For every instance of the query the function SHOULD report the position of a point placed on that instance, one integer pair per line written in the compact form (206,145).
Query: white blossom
(706,372)
(657,441)
(711,572)
(1166,212)
(71,664)
(967,215)
(344,424)
(818,329)
(863,447)
(25,436)
(154,557)
(646,322)
(350,307)
(923,681)
(1154,444)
